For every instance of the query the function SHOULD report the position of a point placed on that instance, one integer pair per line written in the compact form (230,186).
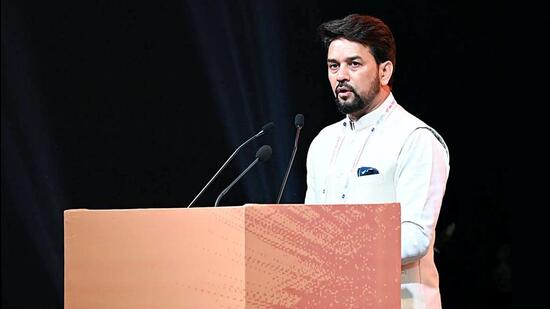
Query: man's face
(353,76)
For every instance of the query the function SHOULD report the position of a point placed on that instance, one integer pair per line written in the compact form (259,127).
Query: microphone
(298,123)
(263,154)
(265,129)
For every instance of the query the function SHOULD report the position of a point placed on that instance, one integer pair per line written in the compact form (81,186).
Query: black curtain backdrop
(136,104)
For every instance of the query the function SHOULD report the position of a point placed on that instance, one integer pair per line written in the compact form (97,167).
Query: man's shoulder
(328,133)
(409,124)
(331,130)
(404,117)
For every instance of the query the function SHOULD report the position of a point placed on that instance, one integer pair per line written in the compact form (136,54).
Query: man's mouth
(343,93)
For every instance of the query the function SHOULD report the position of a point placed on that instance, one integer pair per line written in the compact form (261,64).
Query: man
(379,153)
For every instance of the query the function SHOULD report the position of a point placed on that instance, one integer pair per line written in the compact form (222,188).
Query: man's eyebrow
(347,59)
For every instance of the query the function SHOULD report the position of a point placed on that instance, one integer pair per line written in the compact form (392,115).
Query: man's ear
(385,70)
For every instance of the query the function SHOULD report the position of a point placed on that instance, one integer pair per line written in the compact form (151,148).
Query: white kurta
(412,161)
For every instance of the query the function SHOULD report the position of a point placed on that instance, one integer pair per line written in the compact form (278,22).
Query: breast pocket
(370,179)
(372,189)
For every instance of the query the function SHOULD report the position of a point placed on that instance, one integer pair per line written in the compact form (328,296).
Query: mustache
(344,86)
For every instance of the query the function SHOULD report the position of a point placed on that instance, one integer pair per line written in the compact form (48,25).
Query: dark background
(136,104)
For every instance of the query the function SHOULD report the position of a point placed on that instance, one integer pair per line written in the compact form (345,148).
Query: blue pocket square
(366,170)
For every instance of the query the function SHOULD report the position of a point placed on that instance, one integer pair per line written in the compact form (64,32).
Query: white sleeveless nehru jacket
(386,156)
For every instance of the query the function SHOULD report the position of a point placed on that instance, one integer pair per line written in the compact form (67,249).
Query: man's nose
(343,74)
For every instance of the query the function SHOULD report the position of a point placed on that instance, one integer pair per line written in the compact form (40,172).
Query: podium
(251,256)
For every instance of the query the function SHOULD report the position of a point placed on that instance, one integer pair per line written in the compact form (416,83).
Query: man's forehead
(344,48)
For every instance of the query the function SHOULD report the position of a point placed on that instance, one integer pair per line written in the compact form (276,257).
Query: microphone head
(299,121)
(267,127)
(264,153)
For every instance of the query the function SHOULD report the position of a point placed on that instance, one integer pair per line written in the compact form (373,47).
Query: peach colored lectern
(252,256)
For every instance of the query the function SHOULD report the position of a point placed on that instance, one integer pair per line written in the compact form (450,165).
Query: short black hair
(367,30)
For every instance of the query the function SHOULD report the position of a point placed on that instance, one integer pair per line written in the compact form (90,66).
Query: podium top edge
(219,207)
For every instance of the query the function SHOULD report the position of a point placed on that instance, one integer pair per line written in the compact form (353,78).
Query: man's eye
(355,64)
(333,66)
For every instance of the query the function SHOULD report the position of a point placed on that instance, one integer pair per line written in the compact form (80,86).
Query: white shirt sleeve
(420,180)
(310,167)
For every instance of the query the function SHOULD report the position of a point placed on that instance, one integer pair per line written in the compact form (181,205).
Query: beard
(358,103)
